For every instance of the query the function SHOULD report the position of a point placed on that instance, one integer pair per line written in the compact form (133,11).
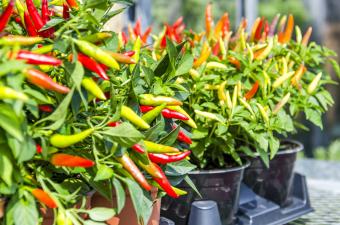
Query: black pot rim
(296,149)
(228,170)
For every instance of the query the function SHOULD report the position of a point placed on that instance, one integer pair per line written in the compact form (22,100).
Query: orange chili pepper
(285,36)
(208,19)
(205,53)
(222,26)
(250,94)
(306,36)
(298,75)
(234,61)
(44,198)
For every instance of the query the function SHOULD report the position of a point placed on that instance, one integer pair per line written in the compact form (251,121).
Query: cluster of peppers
(37,50)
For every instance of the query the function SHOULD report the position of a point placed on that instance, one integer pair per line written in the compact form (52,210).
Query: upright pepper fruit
(5,16)
(73,4)
(131,167)
(312,86)
(29,25)
(63,141)
(42,80)
(61,159)
(208,19)
(306,36)
(205,53)
(281,103)
(33,12)
(44,198)
(285,36)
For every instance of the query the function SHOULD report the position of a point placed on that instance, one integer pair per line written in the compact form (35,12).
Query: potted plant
(71,121)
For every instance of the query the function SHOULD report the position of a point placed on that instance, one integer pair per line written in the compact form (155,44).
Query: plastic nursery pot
(48,216)
(221,186)
(2,207)
(274,183)
(128,215)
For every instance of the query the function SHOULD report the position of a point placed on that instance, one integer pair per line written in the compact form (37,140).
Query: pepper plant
(70,114)
(247,89)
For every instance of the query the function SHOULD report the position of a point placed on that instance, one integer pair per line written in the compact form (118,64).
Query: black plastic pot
(274,183)
(221,186)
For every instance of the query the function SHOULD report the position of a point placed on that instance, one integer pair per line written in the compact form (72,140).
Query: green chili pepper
(194,74)
(44,49)
(282,79)
(97,53)
(298,34)
(263,112)
(234,101)
(221,93)
(131,116)
(208,115)
(63,141)
(19,40)
(91,86)
(158,148)
(97,37)
(228,99)
(312,86)
(248,107)
(136,49)
(215,65)
(9,93)
(152,114)
(149,99)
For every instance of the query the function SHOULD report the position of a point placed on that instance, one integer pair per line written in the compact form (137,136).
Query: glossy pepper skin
(9,93)
(166,113)
(179,109)
(205,53)
(306,36)
(159,148)
(97,53)
(122,58)
(91,86)
(131,116)
(38,149)
(73,4)
(250,94)
(91,65)
(33,12)
(63,141)
(166,158)
(44,11)
(182,136)
(44,198)
(61,159)
(152,114)
(149,99)
(42,80)
(38,59)
(29,25)
(6,15)
(164,183)
(19,40)
(208,19)
(131,167)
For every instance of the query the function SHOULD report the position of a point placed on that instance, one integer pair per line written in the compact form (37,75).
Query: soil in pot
(221,186)
(128,215)
(274,183)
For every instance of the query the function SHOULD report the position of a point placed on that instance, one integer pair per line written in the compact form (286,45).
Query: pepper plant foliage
(71,128)
(249,88)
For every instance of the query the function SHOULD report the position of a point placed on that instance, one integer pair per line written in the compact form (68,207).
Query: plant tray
(255,210)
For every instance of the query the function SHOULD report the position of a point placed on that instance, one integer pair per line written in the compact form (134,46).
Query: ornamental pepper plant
(73,116)
(248,88)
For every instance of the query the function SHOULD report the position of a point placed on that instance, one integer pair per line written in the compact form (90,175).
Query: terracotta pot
(128,214)
(2,207)
(48,216)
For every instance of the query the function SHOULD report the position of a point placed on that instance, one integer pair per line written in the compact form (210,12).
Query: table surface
(323,180)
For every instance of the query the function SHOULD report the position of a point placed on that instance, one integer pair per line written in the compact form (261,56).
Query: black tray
(255,210)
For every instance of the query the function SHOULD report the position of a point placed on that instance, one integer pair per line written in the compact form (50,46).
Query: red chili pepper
(129,53)
(73,4)
(163,42)
(250,94)
(42,80)
(216,49)
(37,59)
(66,11)
(167,113)
(46,108)
(44,198)
(164,183)
(18,20)
(5,16)
(182,136)
(131,167)
(33,12)
(258,32)
(44,11)
(178,22)
(137,28)
(113,124)
(61,159)
(92,65)
(125,38)
(38,148)
(266,29)
(166,158)
(29,25)
(146,34)
(234,61)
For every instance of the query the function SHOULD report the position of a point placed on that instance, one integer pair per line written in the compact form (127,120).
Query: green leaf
(182,167)
(185,64)
(153,133)
(10,122)
(12,66)
(149,75)
(335,67)
(125,134)
(192,185)
(246,150)
(90,222)
(142,205)
(274,145)
(314,116)
(120,194)
(59,115)
(52,23)
(101,213)
(171,138)
(6,165)
(25,212)
(93,4)
(103,173)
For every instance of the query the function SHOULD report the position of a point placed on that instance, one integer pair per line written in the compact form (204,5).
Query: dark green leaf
(120,194)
